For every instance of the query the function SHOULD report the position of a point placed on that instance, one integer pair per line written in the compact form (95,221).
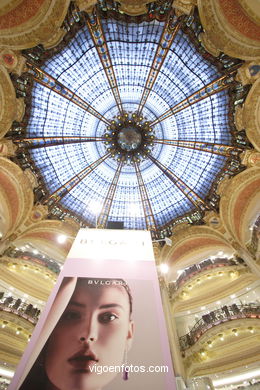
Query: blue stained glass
(131,48)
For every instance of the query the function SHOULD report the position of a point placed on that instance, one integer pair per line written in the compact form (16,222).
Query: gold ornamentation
(223,35)
(7,148)
(134,7)
(251,115)
(251,158)
(239,118)
(19,196)
(86,5)
(39,28)
(208,44)
(32,179)
(236,197)
(8,102)
(248,73)
(184,6)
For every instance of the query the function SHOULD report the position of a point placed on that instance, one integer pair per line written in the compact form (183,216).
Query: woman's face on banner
(93,330)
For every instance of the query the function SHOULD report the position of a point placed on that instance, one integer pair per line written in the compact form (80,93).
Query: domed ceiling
(128,119)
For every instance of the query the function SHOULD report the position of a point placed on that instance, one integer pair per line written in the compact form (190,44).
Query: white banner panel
(103,326)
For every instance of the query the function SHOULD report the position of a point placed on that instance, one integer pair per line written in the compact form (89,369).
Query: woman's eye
(105,318)
(70,315)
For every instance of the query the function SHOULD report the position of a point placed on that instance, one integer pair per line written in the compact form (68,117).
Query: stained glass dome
(129,114)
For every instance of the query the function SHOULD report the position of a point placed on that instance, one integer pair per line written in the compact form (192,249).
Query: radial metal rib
(54,85)
(148,213)
(170,31)
(194,198)
(44,142)
(95,28)
(209,147)
(103,217)
(210,89)
(75,180)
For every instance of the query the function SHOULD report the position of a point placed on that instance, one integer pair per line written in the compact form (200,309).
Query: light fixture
(6,373)
(164,268)
(61,238)
(167,241)
(95,207)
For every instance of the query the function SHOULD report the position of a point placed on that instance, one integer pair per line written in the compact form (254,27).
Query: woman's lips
(83,360)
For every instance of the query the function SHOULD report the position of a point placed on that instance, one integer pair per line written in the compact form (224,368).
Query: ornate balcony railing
(195,269)
(217,317)
(18,307)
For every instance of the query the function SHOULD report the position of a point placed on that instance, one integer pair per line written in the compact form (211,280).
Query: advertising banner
(103,327)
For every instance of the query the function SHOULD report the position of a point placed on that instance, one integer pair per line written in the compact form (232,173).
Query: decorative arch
(10,107)
(25,23)
(192,245)
(229,28)
(239,204)
(43,235)
(16,195)
(251,115)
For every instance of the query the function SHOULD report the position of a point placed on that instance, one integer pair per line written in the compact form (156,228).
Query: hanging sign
(103,326)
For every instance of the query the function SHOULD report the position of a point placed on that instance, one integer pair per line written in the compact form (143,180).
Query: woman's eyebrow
(78,304)
(109,305)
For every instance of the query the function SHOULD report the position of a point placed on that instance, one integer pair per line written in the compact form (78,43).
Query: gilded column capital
(134,7)
(213,220)
(32,179)
(208,44)
(248,73)
(7,148)
(38,213)
(184,7)
(11,108)
(12,60)
(86,5)
(239,121)
(251,158)
(222,186)
(251,114)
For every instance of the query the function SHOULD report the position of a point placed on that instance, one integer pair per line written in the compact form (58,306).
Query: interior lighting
(61,238)
(167,241)
(35,252)
(232,379)
(6,373)
(95,207)
(164,268)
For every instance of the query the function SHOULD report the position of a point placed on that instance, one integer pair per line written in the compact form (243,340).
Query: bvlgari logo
(91,242)
(107,282)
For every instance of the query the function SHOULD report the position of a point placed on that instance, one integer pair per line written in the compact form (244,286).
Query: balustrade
(216,317)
